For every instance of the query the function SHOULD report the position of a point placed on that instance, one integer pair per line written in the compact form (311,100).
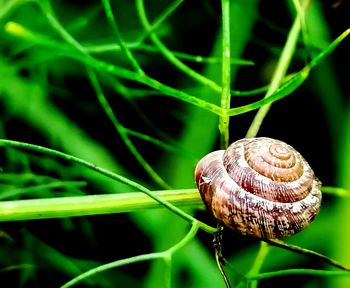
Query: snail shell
(260,187)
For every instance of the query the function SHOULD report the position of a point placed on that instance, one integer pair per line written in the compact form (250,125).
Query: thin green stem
(157,142)
(122,132)
(113,47)
(184,241)
(39,189)
(307,252)
(288,87)
(50,15)
(169,54)
(226,75)
(166,13)
(259,260)
(124,48)
(165,255)
(109,174)
(280,72)
(314,272)
(300,7)
(115,264)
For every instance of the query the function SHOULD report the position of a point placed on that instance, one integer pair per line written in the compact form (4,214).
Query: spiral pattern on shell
(260,187)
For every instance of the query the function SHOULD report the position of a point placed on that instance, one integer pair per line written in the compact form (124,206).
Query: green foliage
(111,85)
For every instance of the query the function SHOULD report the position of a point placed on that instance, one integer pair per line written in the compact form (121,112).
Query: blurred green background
(46,98)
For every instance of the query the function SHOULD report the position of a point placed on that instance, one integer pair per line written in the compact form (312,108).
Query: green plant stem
(8,6)
(259,260)
(113,47)
(51,17)
(278,76)
(165,255)
(124,48)
(336,191)
(164,145)
(184,241)
(226,74)
(169,55)
(45,6)
(287,88)
(21,31)
(112,265)
(307,252)
(122,131)
(114,176)
(61,207)
(286,272)
(39,189)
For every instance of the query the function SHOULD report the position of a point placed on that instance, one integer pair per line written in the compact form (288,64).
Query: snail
(260,187)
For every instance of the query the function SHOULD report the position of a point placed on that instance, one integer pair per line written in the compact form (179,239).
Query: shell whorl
(260,187)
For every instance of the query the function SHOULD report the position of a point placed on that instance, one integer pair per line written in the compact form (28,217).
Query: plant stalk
(279,74)
(226,75)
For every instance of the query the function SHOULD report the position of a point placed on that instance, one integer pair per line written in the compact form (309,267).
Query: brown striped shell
(260,187)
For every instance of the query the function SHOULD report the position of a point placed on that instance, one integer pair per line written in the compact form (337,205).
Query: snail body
(260,187)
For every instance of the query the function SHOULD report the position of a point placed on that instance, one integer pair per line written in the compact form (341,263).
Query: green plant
(146,116)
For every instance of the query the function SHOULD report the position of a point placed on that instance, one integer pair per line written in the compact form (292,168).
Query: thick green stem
(114,176)
(226,75)
(60,207)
